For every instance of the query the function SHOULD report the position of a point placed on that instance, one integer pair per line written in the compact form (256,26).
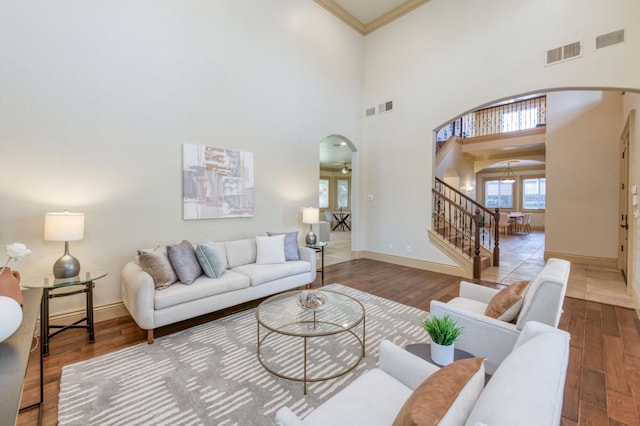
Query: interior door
(624,201)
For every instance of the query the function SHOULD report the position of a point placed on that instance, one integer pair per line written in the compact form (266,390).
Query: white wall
(448,57)
(96,99)
(583,173)
(454,159)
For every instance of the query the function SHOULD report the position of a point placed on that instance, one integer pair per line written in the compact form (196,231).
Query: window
(520,119)
(323,203)
(533,193)
(343,194)
(498,194)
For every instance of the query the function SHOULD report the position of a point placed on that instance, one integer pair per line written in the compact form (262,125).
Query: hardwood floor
(603,378)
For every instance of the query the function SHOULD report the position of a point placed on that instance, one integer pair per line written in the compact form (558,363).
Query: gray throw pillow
(290,244)
(156,263)
(212,259)
(184,261)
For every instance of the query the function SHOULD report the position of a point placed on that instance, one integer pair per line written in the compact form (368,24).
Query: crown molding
(342,14)
(393,14)
(368,28)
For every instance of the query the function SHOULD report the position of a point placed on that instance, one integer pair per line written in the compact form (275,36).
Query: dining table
(342,221)
(518,219)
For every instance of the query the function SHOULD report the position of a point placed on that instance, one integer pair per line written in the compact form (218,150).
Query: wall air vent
(608,39)
(385,107)
(554,55)
(571,50)
(563,53)
(370,111)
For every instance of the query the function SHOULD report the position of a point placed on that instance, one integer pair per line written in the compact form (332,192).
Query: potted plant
(443,332)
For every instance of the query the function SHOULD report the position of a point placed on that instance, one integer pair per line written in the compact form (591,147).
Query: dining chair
(504,222)
(527,223)
(328,216)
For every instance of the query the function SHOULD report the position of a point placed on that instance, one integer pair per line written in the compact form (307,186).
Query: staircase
(469,229)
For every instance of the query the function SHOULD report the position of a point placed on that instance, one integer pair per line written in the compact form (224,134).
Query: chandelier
(508,176)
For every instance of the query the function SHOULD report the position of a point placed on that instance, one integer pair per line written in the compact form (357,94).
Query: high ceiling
(366,16)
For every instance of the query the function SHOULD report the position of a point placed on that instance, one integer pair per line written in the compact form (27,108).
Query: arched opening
(338,197)
(567,172)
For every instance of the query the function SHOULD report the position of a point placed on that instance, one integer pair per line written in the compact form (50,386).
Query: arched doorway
(338,196)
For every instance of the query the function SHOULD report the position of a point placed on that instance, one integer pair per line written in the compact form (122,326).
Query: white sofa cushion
(270,249)
(260,274)
(543,301)
(468,305)
(290,244)
(373,399)
(527,388)
(241,252)
(202,287)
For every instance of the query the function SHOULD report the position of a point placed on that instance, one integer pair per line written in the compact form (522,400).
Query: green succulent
(443,330)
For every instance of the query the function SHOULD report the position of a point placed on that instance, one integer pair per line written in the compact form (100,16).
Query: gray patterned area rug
(210,374)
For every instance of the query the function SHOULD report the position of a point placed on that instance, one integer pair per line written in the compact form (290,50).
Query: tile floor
(339,248)
(522,258)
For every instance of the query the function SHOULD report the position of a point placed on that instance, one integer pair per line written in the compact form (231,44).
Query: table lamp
(310,215)
(64,227)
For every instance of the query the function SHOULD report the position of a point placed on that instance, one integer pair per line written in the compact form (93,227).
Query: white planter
(442,355)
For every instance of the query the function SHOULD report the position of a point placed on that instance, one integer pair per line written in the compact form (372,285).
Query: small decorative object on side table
(48,284)
(443,332)
(319,248)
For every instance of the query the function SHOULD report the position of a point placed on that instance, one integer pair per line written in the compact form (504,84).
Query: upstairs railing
(466,224)
(510,117)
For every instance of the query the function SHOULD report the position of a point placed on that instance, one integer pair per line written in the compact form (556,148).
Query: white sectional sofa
(242,281)
(526,390)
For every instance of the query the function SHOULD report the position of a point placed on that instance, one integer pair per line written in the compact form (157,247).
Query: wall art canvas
(217,182)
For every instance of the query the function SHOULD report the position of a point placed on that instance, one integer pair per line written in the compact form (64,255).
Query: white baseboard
(100,313)
(584,260)
(413,263)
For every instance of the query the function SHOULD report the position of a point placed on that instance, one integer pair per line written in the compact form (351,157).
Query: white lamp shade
(63,226)
(310,215)
(10,317)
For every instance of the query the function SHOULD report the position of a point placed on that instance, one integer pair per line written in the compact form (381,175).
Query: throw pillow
(212,259)
(290,244)
(270,249)
(184,261)
(156,263)
(446,397)
(506,304)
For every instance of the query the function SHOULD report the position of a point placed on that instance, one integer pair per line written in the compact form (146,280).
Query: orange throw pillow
(444,393)
(506,304)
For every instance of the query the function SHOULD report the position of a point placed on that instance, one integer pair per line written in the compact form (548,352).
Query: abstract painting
(216,182)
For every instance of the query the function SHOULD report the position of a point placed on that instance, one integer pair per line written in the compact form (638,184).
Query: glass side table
(319,248)
(49,284)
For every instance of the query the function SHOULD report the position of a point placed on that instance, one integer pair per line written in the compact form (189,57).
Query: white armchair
(494,339)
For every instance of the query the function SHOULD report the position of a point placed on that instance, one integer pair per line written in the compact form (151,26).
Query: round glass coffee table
(282,322)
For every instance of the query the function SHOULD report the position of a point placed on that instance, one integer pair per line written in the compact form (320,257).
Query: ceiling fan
(345,169)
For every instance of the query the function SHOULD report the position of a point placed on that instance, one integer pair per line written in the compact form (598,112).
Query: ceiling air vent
(370,111)
(608,39)
(563,53)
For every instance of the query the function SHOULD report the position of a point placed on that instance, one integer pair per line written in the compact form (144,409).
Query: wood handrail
(459,217)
